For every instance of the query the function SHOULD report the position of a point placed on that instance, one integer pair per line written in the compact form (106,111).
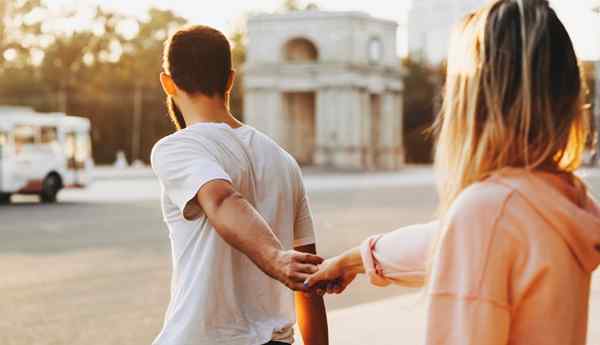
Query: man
(235,204)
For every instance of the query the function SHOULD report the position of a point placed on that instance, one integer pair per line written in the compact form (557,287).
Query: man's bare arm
(242,227)
(310,312)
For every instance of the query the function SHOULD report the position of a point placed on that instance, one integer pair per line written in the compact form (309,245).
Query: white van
(42,153)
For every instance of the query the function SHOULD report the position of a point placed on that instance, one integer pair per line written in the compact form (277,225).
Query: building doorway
(300,109)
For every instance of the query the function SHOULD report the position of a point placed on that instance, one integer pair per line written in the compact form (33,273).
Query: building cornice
(310,68)
(320,15)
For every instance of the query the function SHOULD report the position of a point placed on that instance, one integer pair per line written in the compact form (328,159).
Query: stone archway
(299,107)
(329,94)
(300,50)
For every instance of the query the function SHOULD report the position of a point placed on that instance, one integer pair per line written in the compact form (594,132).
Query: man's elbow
(213,207)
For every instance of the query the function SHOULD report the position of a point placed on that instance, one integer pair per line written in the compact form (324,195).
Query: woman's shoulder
(482,198)
(477,215)
(500,201)
(481,209)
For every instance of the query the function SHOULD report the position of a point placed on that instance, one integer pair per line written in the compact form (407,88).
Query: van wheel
(4,198)
(50,188)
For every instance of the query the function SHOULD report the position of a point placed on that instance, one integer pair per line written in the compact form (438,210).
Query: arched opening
(300,50)
(300,106)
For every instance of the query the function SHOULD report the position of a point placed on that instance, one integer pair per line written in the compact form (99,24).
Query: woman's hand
(337,273)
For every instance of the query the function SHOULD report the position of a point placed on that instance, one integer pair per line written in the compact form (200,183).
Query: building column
(368,144)
(263,111)
(351,145)
(339,129)
(326,129)
(391,146)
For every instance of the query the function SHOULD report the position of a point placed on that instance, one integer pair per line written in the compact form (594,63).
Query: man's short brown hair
(198,58)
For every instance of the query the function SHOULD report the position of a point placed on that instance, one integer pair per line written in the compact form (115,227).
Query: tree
(3,30)
(422,87)
(291,5)
(96,71)
(17,25)
(238,57)
(589,72)
(20,25)
(294,5)
(143,60)
(70,55)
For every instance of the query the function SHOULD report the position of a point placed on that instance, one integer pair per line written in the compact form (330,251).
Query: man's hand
(292,268)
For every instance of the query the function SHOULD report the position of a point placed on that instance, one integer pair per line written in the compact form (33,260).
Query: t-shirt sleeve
(304,228)
(183,165)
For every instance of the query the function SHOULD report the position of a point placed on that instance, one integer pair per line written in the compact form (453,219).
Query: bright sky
(582,23)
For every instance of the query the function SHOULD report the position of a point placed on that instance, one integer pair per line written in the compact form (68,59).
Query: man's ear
(230,81)
(168,84)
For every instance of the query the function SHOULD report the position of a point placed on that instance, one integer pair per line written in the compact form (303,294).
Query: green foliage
(238,56)
(16,25)
(96,71)
(589,77)
(294,5)
(291,5)
(93,71)
(422,87)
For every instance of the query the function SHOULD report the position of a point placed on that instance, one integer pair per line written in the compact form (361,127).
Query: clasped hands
(310,273)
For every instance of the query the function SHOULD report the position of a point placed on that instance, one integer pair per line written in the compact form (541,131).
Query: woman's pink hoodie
(512,263)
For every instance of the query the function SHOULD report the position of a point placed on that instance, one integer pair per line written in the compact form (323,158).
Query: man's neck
(208,110)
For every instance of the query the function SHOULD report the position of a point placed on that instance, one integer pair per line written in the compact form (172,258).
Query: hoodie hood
(578,225)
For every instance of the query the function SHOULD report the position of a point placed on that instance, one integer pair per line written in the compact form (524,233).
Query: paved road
(92,270)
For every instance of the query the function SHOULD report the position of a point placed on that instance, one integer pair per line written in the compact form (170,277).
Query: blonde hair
(513,97)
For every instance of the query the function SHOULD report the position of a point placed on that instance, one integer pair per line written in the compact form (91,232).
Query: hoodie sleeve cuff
(372,267)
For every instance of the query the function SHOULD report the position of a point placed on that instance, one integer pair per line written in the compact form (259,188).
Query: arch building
(327,86)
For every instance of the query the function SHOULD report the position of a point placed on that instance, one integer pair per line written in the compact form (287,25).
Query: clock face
(375,50)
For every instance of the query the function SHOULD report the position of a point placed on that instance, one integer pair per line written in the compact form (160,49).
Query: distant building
(430,23)
(327,86)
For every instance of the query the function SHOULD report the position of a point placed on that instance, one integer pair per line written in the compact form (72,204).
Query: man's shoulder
(200,132)
(182,143)
(274,149)
(159,147)
(164,144)
(263,138)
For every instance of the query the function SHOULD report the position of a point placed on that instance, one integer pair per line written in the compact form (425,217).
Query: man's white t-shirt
(218,296)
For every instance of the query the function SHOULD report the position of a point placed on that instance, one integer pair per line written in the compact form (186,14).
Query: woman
(519,235)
